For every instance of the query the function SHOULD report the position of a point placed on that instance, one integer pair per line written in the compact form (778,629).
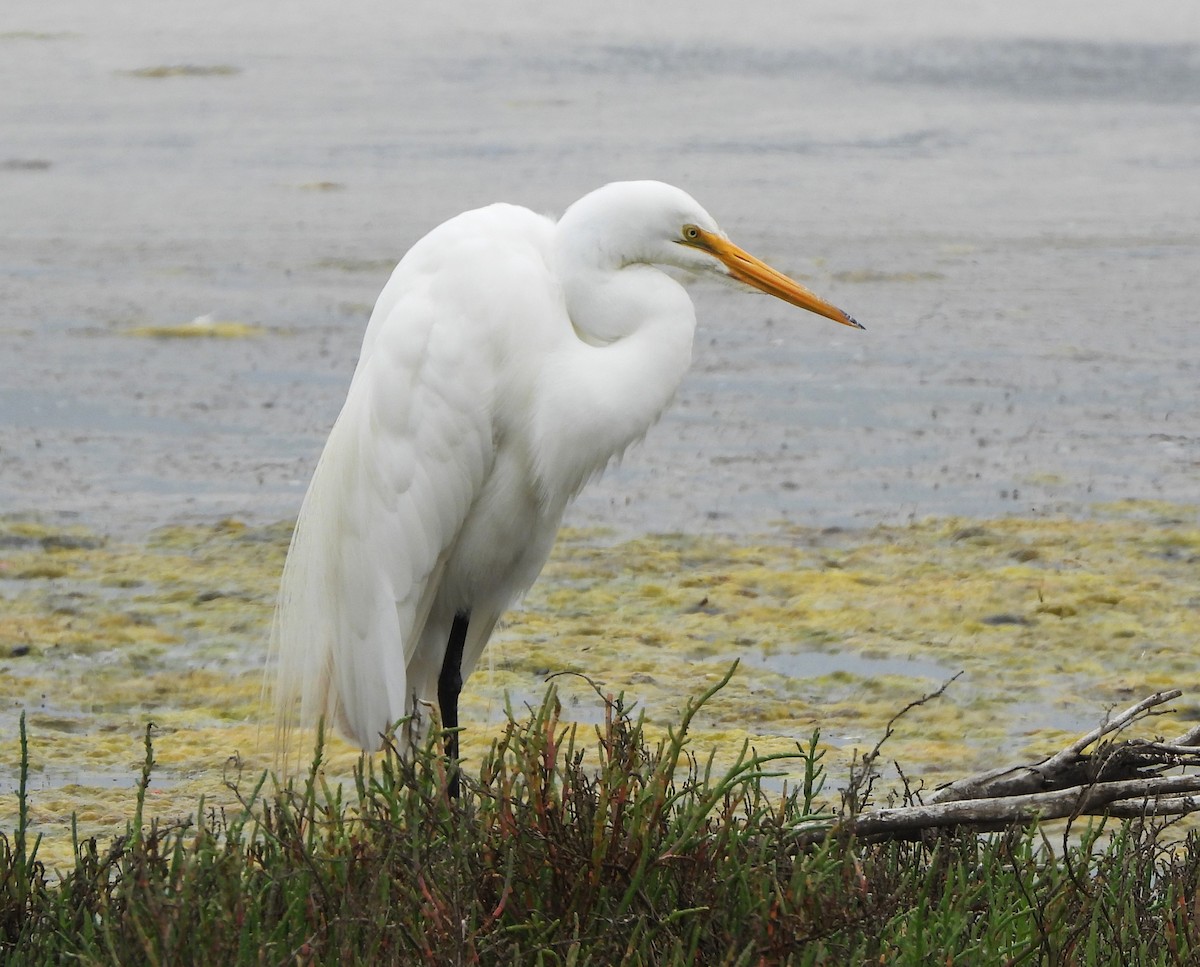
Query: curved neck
(603,390)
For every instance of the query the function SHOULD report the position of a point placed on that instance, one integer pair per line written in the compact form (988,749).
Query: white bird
(508,360)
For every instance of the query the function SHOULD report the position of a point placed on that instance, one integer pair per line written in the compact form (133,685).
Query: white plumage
(508,359)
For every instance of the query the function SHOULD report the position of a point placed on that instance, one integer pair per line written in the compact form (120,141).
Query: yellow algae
(202,327)
(1053,622)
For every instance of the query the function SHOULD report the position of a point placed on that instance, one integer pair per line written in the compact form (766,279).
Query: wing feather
(405,462)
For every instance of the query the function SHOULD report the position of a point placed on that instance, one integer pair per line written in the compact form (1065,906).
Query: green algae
(1052,622)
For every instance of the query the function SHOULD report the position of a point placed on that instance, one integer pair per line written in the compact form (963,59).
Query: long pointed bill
(747,269)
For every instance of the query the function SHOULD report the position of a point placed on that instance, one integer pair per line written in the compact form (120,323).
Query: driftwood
(1124,778)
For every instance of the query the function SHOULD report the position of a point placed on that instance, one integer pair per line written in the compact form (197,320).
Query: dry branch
(1117,778)
(1139,794)
(1068,768)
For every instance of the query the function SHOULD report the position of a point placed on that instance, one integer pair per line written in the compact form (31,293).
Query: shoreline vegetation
(604,849)
(638,813)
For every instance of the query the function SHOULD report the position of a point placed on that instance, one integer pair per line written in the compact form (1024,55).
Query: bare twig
(862,772)
(1130,715)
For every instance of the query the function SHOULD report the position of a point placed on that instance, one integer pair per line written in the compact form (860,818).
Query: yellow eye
(691,233)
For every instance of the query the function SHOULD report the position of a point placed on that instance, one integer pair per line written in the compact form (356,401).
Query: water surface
(1007,198)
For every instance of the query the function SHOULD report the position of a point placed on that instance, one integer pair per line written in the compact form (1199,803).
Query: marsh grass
(576,848)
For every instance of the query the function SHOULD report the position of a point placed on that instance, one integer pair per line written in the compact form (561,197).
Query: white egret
(508,360)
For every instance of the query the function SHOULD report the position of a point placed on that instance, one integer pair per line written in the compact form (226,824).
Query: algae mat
(1052,622)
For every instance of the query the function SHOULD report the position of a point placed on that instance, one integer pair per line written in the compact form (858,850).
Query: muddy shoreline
(1052,623)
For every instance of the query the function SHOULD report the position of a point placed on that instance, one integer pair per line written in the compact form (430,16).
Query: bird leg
(449,685)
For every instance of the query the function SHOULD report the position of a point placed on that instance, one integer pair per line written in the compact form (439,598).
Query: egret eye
(691,233)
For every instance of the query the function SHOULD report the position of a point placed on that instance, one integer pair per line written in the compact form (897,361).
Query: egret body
(508,360)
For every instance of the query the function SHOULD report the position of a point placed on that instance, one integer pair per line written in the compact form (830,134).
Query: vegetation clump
(565,850)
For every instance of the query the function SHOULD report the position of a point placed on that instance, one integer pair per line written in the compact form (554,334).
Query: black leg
(449,685)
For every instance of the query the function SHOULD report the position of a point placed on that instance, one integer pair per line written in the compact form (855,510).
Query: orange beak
(751,271)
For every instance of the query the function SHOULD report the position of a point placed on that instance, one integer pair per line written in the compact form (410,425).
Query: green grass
(578,847)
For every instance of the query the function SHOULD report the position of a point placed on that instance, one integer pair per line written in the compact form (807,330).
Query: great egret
(508,360)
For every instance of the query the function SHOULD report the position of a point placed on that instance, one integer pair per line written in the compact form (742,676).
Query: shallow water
(1008,199)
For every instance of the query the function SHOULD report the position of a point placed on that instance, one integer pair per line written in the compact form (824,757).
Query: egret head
(649,222)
